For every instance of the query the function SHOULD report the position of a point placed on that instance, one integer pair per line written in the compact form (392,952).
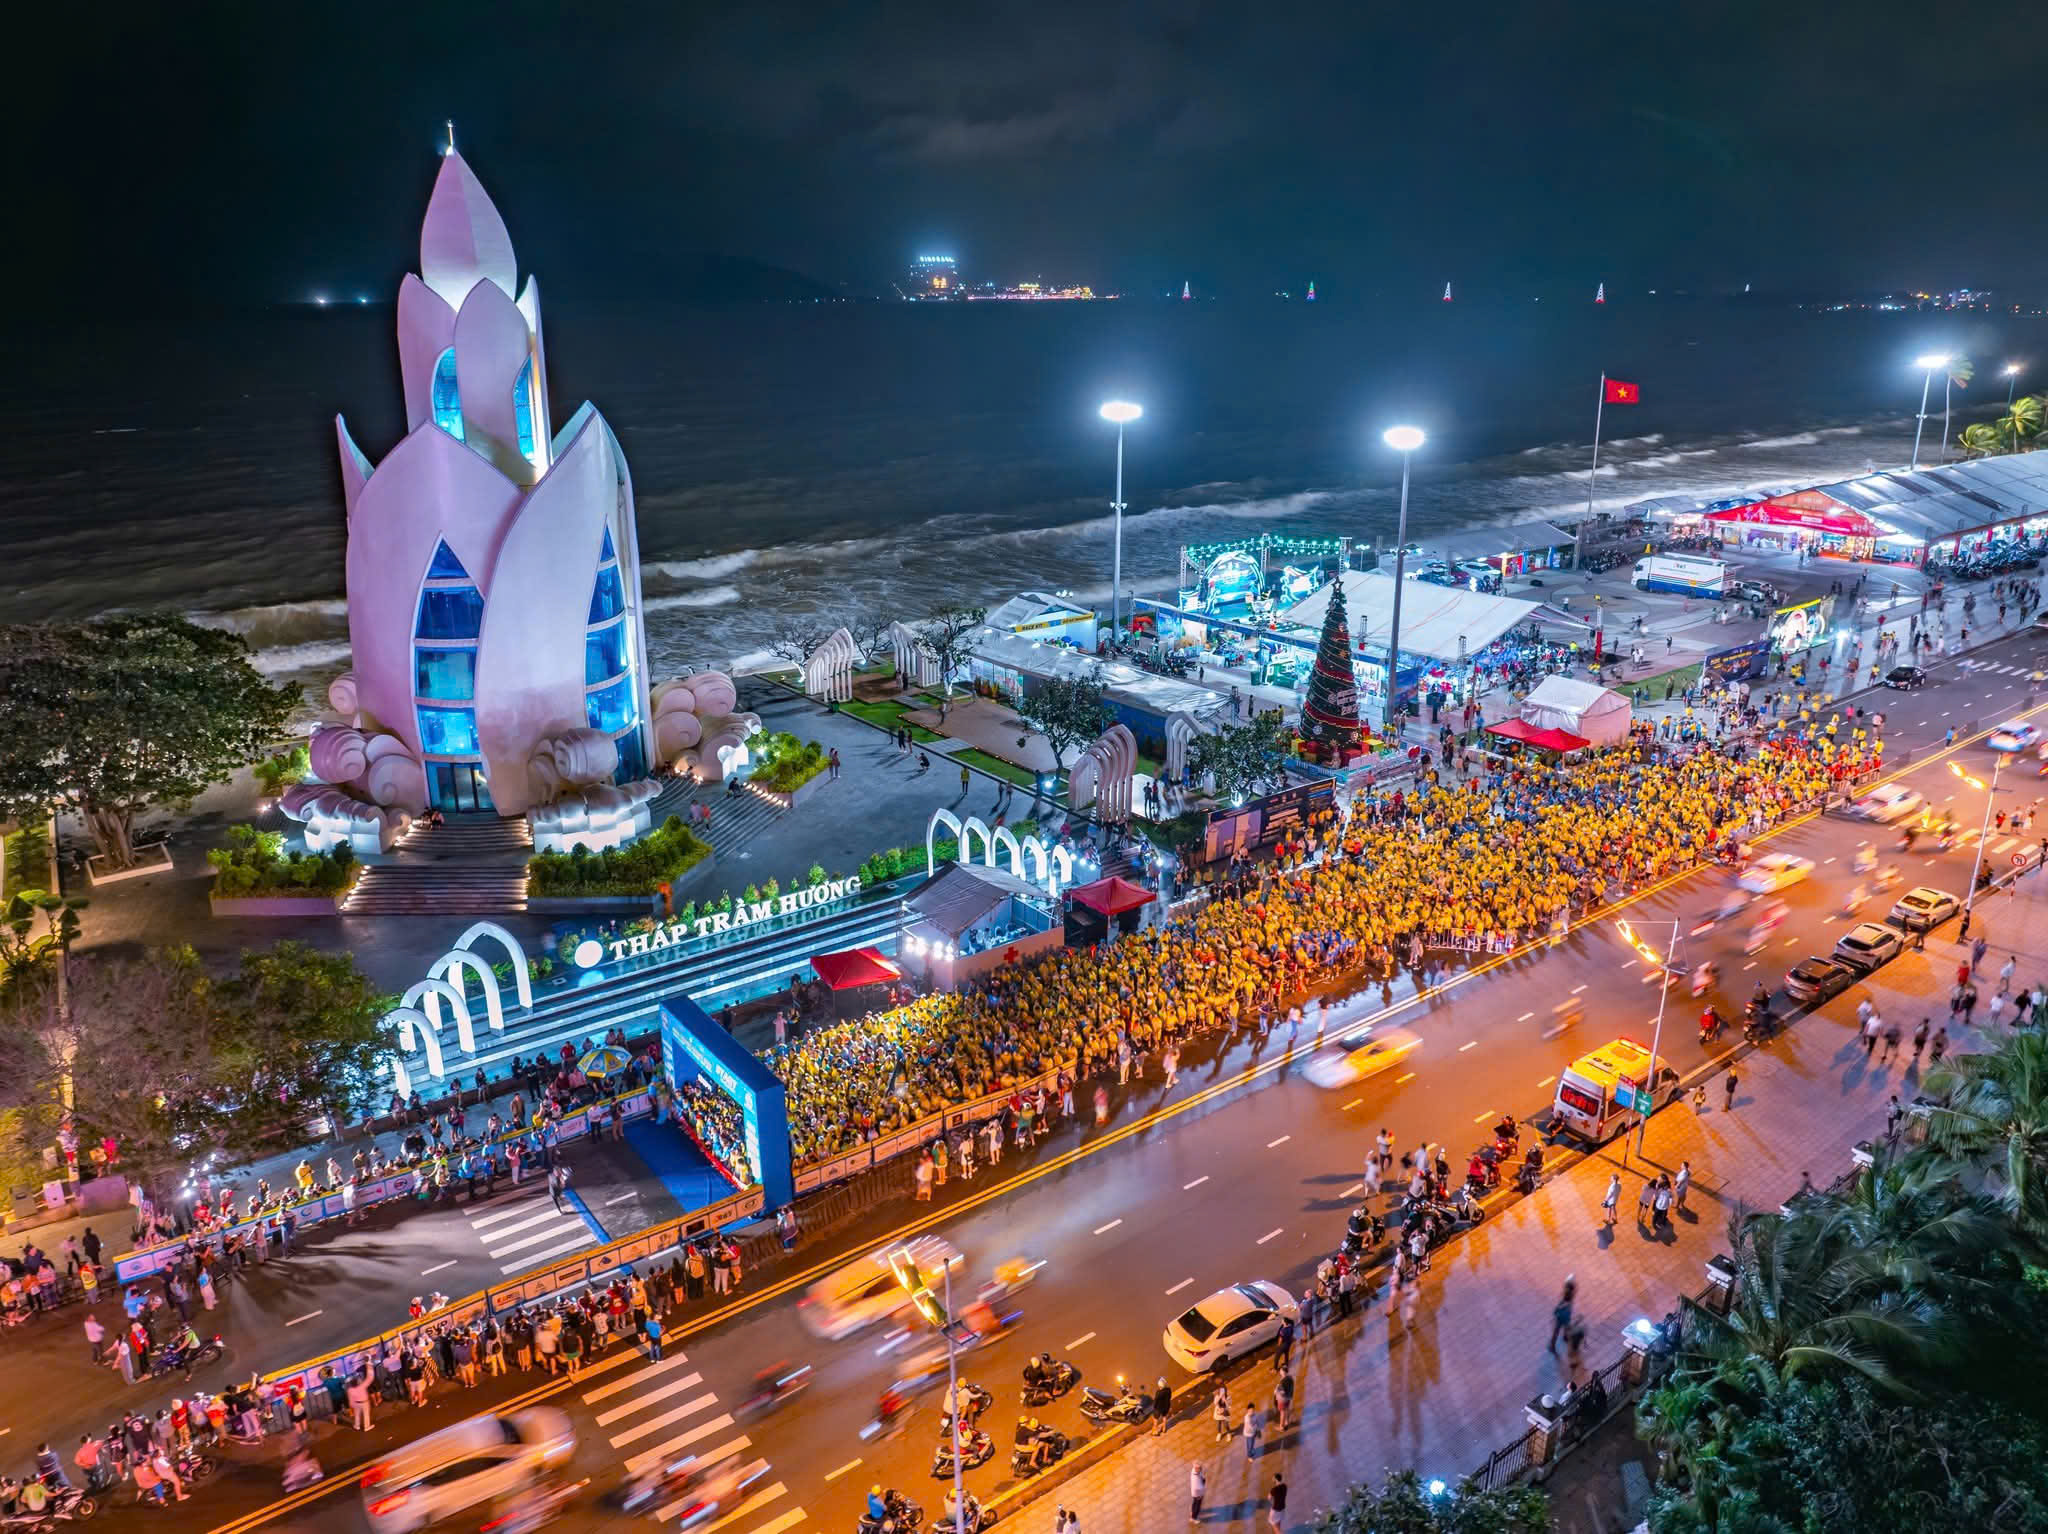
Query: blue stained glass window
(448,731)
(611,709)
(605,655)
(608,598)
(608,551)
(632,765)
(447,396)
(455,612)
(446,567)
(449,675)
(522,407)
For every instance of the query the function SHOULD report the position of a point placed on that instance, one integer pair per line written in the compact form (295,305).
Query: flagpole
(1593,478)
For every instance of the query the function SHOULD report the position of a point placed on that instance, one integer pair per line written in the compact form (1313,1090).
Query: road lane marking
(437,1267)
(1268,1236)
(753,1504)
(1749,966)
(628,1382)
(635,1193)
(477,1222)
(1525,1017)
(309,1315)
(1184,1187)
(1546,1081)
(1576,989)
(1463,1047)
(1629,964)
(788,1520)
(1355,1188)
(1352,1104)
(673,1387)
(1176,1289)
(1484,1117)
(666,1447)
(554,1251)
(547,1214)
(1276,1144)
(833,1475)
(654,1425)
(1399,1079)
(1084,1337)
(1112,1225)
(1826,861)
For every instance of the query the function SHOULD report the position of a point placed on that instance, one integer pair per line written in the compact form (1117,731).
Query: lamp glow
(2011,368)
(1931,360)
(1121,411)
(1403,439)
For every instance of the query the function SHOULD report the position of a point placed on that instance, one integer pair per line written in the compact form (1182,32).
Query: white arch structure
(432,991)
(1005,837)
(1050,864)
(972,824)
(520,979)
(931,839)
(449,967)
(409,1019)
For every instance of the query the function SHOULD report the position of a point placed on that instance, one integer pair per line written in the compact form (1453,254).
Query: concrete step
(437,889)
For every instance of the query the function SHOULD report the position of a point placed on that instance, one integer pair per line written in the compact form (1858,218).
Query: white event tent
(1599,714)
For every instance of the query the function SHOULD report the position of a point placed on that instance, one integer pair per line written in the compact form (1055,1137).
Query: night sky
(213,152)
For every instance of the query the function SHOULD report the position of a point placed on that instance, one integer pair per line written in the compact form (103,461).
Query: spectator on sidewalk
(1198,1487)
(1276,1511)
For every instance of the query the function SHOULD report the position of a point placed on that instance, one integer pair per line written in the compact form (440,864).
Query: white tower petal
(463,239)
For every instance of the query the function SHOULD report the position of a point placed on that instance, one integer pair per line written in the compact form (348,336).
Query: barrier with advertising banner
(1738,663)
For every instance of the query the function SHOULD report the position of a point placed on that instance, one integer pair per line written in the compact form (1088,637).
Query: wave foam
(1797,439)
(703,596)
(289,660)
(708,568)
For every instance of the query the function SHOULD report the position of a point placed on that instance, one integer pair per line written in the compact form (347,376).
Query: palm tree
(1960,371)
(1993,1109)
(2022,420)
(1982,440)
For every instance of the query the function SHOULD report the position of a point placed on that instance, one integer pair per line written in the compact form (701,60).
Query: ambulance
(1599,1093)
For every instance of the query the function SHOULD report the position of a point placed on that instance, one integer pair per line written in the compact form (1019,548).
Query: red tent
(1113,896)
(1534,735)
(855,966)
(1813,510)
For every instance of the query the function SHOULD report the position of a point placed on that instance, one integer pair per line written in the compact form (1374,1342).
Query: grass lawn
(1680,679)
(889,716)
(974,756)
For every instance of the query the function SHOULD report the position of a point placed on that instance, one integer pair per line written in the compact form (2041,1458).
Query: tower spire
(451,138)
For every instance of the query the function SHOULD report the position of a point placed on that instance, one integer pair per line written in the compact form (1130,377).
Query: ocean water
(833,460)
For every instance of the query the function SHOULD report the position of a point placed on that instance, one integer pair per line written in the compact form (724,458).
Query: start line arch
(1053,865)
(418,1013)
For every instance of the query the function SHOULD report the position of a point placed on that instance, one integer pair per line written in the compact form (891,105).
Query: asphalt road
(1187,1191)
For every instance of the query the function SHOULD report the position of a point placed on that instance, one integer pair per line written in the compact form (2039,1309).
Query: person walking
(1162,1406)
(1730,1084)
(1645,1198)
(1561,1312)
(558,1184)
(1920,1040)
(1254,1430)
(1283,1401)
(1872,1026)
(1198,1487)
(1219,1412)
(1276,1502)
(1611,1200)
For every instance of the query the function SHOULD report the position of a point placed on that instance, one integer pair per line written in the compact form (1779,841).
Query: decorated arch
(432,991)
(931,838)
(520,979)
(449,967)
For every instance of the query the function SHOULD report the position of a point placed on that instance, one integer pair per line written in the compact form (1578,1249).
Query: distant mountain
(715,279)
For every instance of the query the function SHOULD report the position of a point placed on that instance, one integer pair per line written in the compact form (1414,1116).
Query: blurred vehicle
(1905,678)
(485,1459)
(772,1387)
(1889,802)
(1924,907)
(866,1290)
(1361,1057)
(2014,735)
(1775,871)
(1816,979)
(1867,945)
(1599,1091)
(1228,1324)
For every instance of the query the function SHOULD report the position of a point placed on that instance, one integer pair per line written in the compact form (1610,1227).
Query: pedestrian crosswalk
(531,1230)
(1994,668)
(656,1411)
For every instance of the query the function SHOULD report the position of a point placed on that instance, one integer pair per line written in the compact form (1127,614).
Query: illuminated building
(932,277)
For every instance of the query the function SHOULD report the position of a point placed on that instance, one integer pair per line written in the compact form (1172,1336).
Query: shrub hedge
(660,857)
(254,863)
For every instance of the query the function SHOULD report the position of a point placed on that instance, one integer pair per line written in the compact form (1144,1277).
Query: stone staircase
(470,865)
(736,819)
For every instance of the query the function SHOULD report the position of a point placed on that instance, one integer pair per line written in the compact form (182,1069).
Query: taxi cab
(1597,1093)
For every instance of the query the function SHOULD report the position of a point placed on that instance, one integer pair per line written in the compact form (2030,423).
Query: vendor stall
(1599,715)
(965,921)
(1108,905)
(1536,737)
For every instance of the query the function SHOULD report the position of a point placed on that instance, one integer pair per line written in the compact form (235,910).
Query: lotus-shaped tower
(493,562)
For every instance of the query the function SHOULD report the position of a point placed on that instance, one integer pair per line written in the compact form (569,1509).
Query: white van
(1597,1093)
(867,1290)
(485,1459)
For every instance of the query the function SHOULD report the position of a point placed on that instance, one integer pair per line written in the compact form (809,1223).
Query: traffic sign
(1645,1101)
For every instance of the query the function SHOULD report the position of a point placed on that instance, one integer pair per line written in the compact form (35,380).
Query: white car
(866,1290)
(1889,802)
(2014,735)
(1775,871)
(1228,1324)
(1352,1060)
(1923,908)
(484,1459)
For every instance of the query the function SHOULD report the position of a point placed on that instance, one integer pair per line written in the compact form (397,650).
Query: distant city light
(362,298)
(1403,439)
(320,299)
(1121,411)
(935,261)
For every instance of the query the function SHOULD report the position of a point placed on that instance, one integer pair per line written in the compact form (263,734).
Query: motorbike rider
(953,1509)
(1041,1372)
(1030,1439)
(1710,1023)
(889,1407)
(1705,977)
(880,1502)
(965,1402)
(1760,1001)
(1865,860)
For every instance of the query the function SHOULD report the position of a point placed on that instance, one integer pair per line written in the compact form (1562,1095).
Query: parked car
(1816,979)
(1228,1324)
(1924,907)
(1867,945)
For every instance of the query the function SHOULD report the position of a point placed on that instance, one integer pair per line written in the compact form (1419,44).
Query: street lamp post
(2012,379)
(1983,834)
(1927,365)
(1403,440)
(1649,955)
(1122,412)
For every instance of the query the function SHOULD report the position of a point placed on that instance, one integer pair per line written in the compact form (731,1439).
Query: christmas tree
(1329,715)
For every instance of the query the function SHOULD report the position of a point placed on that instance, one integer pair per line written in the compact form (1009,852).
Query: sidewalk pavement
(1373,1396)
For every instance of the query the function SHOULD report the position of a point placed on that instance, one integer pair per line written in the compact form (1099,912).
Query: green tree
(1408,1505)
(1992,1108)
(1068,711)
(1960,371)
(118,714)
(2020,424)
(274,774)
(1982,440)
(948,635)
(1329,714)
(1245,759)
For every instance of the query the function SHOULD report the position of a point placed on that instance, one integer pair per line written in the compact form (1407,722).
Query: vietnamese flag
(1619,393)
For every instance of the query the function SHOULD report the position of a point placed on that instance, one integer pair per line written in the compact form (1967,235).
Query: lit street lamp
(1403,440)
(1123,412)
(1663,967)
(1927,365)
(1983,833)
(2012,378)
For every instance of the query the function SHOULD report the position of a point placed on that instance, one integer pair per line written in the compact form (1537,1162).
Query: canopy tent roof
(853,967)
(1814,510)
(1488,542)
(1598,715)
(956,897)
(1533,735)
(1571,695)
(1433,618)
(1121,683)
(1112,896)
(1032,606)
(1951,499)
(1666,506)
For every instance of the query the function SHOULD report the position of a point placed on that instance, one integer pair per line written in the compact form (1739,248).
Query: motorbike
(1711,1025)
(1888,877)
(1757,1022)
(978,1401)
(174,1360)
(1127,1405)
(534,1509)
(1025,1458)
(67,1504)
(976,1450)
(968,1514)
(1704,979)
(1047,1379)
(772,1387)
(193,1467)
(903,1516)
(1363,1230)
